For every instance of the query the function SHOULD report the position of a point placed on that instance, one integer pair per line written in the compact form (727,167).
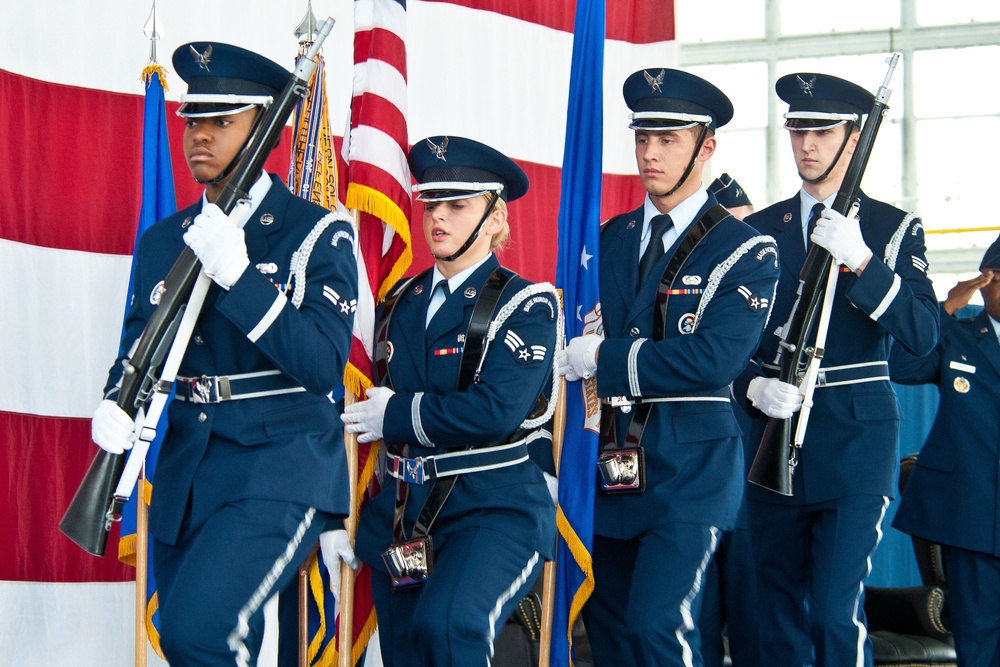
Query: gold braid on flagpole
(154,68)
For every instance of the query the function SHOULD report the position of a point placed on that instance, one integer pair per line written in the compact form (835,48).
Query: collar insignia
(266,219)
(202,59)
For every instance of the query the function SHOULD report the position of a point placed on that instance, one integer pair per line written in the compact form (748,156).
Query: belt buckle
(201,389)
(410,470)
(620,402)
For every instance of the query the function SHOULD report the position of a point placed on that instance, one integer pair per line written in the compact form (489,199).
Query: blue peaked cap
(665,99)
(448,167)
(729,193)
(213,68)
(818,101)
(991,260)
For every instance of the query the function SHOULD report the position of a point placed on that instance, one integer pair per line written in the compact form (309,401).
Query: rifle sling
(693,237)
(475,337)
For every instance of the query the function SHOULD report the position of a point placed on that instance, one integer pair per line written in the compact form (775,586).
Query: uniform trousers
(729,603)
(647,596)
(213,583)
(811,563)
(974,601)
(479,577)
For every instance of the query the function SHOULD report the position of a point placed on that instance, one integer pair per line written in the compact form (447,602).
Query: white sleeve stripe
(418,427)
(633,367)
(269,317)
(888,298)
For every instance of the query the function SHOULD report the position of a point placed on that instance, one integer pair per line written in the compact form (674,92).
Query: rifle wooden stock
(777,455)
(94,507)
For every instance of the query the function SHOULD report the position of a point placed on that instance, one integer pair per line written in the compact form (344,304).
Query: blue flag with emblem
(158,201)
(577,276)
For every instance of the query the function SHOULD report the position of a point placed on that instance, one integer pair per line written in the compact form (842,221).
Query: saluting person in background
(813,550)
(253,467)
(679,325)
(953,494)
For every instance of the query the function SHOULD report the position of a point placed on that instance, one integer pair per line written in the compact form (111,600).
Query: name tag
(965,368)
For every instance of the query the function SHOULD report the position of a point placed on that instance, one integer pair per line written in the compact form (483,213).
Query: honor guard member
(676,334)
(953,494)
(464,350)
(731,194)
(813,550)
(729,605)
(253,466)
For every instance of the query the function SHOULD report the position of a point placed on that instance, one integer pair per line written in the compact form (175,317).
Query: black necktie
(654,251)
(813,217)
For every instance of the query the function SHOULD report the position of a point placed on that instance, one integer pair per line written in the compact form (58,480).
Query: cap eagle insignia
(806,86)
(654,84)
(202,58)
(439,151)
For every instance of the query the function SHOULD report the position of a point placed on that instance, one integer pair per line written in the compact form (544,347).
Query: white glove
(841,236)
(220,245)
(553,484)
(579,360)
(112,429)
(335,547)
(774,398)
(366,417)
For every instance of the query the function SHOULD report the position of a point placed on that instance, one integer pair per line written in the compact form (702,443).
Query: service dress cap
(448,168)
(670,99)
(821,102)
(223,79)
(991,260)
(729,193)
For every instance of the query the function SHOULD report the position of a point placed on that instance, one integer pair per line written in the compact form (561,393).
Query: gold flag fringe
(584,561)
(154,68)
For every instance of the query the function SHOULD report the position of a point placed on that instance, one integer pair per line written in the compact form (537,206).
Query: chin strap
(822,177)
(239,156)
(475,233)
(690,167)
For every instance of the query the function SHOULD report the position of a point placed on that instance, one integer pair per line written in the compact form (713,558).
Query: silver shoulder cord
(504,313)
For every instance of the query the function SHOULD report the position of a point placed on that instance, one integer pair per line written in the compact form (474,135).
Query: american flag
(378,178)
(378,188)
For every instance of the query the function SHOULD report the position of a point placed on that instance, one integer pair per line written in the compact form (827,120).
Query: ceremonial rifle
(98,501)
(778,453)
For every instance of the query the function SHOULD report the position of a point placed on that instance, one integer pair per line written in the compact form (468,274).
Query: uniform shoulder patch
(344,306)
(540,299)
(755,301)
(522,352)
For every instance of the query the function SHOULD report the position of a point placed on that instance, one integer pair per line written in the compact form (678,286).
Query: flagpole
(141,571)
(141,509)
(549,569)
(345,635)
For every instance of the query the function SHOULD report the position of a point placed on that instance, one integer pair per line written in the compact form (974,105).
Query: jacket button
(198,340)
(202,417)
(634,332)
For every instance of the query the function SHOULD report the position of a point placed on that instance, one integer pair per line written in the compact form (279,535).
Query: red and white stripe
(70,120)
